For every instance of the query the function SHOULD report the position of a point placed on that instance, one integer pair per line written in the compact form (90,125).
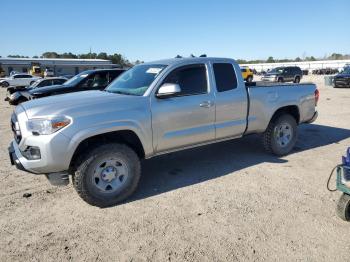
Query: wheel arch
(292,110)
(126,136)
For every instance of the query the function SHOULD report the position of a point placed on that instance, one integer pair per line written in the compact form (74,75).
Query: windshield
(136,80)
(277,70)
(35,84)
(76,79)
(346,70)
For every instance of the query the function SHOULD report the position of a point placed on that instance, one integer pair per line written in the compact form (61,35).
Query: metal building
(60,66)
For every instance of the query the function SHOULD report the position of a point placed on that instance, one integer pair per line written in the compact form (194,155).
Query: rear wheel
(107,175)
(297,79)
(280,135)
(280,80)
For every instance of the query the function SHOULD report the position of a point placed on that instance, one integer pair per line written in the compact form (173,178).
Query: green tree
(270,60)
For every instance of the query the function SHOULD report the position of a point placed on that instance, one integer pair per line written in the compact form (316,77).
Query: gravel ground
(238,203)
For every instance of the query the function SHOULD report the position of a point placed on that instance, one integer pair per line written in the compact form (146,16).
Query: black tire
(84,177)
(297,79)
(280,80)
(5,84)
(249,79)
(31,82)
(343,207)
(270,137)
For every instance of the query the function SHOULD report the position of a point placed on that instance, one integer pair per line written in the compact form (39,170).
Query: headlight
(14,95)
(40,126)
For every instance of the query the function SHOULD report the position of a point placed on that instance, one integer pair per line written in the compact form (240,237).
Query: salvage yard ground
(223,202)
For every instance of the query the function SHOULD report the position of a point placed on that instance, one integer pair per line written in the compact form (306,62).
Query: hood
(79,104)
(342,75)
(46,89)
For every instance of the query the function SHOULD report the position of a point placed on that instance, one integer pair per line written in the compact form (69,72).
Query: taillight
(317,96)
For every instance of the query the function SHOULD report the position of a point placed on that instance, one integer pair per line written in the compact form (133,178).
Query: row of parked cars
(97,79)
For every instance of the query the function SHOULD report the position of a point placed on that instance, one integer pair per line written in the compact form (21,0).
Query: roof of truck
(174,61)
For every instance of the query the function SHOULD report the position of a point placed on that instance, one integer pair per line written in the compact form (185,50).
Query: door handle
(206,104)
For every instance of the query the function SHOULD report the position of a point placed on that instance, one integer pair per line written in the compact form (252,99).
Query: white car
(48,73)
(18,80)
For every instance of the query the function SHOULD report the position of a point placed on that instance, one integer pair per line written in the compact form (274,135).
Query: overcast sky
(150,30)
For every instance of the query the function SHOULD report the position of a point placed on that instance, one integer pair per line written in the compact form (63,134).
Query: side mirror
(168,90)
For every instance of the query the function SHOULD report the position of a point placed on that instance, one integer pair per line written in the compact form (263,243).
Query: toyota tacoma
(99,137)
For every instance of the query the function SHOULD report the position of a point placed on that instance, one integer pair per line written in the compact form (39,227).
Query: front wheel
(250,79)
(107,175)
(280,135)
(5,84)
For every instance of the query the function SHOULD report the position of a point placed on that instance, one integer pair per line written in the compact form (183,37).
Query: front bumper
(54,155)
(341,83)
(269,79)
(14,159)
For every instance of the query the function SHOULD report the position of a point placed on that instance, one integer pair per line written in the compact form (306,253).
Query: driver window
(96,80)
(191,79)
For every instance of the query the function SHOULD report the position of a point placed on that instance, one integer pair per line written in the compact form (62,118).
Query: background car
(342,79)
(247,74)
(48,73)
(38,83)
(284,74)
(17,95)
(97,79)
(18,80)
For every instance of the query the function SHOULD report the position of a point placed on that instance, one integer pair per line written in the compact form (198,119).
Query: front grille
(15,128)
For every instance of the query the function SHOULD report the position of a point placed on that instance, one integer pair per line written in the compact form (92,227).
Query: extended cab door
(187,118)
(231,101)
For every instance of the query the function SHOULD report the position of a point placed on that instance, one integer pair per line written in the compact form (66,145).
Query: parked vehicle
(247,74)
(16,95)
(342,79)
(96,79)
(325,71)
(99,137)
(18,80)
(35,70)
(284,74)
(48,73)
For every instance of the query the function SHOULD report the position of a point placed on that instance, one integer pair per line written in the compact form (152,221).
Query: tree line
(270,59)
(121,60)
(115,58)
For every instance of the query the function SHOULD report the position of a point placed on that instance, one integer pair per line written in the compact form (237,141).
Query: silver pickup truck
(99,137)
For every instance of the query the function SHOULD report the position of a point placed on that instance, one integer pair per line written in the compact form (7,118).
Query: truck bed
(267,97)
(272,84)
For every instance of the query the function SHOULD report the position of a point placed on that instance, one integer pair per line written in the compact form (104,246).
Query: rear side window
(44,83)
(243,70)
(225,77)
(191,79)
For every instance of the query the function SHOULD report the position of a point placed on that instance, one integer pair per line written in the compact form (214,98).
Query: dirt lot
(228,201)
